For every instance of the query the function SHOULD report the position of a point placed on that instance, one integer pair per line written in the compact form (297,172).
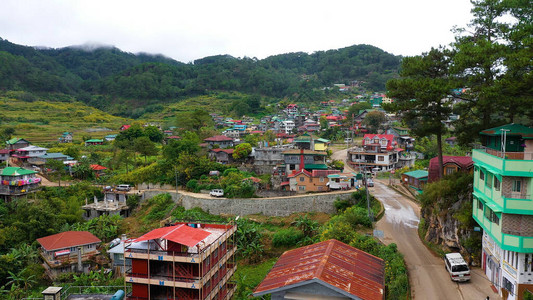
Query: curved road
(427,274)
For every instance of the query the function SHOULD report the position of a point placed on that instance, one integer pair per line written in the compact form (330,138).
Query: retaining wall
(278,206)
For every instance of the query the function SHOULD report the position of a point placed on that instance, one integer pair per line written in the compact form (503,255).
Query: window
(488,182)
(479,204)
(381,158)
(496,183)
(450,170)
(321,179)
(492,216)
(508,286)
(292,167)
(517,186)
(481,175)
(302,179)
(301,188)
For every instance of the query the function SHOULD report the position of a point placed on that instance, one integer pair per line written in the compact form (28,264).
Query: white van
(123,187)
(457,267)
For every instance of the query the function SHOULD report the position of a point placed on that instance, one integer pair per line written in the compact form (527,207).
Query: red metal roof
(347,269)
(98,167)
(218,138)
(464,163)
(181,234)
(228,151)
(67,239)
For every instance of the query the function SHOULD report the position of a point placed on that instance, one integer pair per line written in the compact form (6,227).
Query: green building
(503,207)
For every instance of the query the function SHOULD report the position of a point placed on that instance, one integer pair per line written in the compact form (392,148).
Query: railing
(92,290)
(500,154)
(516,195)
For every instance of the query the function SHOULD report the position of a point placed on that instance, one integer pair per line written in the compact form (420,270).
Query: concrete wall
(279,206)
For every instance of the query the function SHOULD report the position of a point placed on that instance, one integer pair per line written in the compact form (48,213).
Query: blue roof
(417,174)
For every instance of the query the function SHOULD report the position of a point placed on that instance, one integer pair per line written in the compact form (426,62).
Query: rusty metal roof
(343,268)
(181,234)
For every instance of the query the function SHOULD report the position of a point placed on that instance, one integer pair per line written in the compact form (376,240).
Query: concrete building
(69,251)
(221,140)
(377,153)
(503,207)
(313,160)
(326,270)
(267,160)
(114,203)
(183,261)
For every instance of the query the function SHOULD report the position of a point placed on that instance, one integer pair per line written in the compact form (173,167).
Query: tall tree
(421,94)
(144,146)
(375,120)
(493,64)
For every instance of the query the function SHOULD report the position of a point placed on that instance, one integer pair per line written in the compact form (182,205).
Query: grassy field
(41,122)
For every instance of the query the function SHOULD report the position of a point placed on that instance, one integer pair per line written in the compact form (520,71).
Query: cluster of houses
(185,260)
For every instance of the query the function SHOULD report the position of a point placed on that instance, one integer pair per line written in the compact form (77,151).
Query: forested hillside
(113,80)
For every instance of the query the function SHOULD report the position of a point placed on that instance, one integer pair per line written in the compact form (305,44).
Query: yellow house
(321,144)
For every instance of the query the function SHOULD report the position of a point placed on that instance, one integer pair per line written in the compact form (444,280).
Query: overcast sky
(188,30)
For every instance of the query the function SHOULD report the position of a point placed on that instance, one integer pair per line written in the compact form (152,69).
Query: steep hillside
(41,120)
(131,81)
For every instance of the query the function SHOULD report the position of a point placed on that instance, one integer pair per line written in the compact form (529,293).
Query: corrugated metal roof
(67,239)
(348,270)
(417,173)
(181,234)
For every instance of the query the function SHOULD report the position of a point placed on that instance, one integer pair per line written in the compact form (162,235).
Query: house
(325,270)
(451,164)
(116,253)
(377,153)
(110,137)
(124,127)
(16,143)
(98,170)
(69,251)
(43,159)
(223,156)
(15,181)
(310,159)
(220,140)
(267,160)
(452,141)
(93,142)
(415,179)
(321,144)
(4,154)
(342,181)
(67,137)
(502,205)
(191,261)
(303,181)
(286,126)
(30,152)
(292,109)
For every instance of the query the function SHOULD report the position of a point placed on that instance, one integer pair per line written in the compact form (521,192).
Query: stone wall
(279,206)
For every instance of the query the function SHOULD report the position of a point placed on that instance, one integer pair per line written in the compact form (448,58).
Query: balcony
(513,164)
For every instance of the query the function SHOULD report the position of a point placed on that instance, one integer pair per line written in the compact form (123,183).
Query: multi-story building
(15,181)
(183,261)
(378,153)
(297,159)
(69,251)
(503,207)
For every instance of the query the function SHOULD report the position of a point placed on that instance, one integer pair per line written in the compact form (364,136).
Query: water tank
(119,295)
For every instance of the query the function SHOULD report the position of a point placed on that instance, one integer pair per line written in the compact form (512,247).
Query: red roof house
(67,239)
(451,164)
(124,127)
(330,268)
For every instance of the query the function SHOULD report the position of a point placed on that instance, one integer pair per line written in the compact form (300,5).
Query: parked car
(369,182)
(123,187)
(457,267)
(216,193)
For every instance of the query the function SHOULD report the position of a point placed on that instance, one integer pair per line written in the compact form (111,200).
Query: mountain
(119,82)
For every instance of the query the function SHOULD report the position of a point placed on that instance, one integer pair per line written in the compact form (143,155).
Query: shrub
(341,205)
(287,237)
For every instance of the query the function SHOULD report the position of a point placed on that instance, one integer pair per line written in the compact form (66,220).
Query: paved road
(429,279)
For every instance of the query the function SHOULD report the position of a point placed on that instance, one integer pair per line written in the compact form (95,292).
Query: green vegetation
(134,85)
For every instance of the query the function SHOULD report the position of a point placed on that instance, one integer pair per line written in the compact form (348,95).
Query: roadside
(427,274)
